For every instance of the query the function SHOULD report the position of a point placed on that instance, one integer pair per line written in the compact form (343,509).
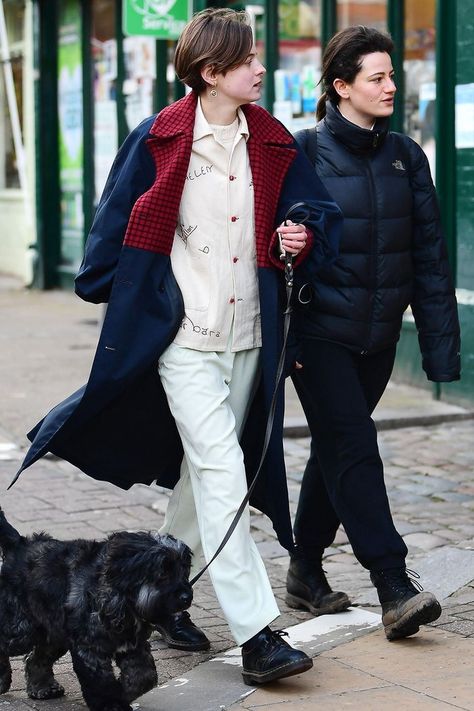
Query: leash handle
(305,211)
(301,212)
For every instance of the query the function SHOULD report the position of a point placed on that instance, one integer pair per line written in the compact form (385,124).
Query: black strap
(303,213)
(308,140)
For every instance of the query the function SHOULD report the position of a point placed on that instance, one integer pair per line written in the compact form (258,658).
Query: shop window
(372,13)
(140,77)
(104,72)
(296,80)
(71,147)
(14,20)
(420,75)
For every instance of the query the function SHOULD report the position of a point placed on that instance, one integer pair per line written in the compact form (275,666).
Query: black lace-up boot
(404,606)
(267,656)
(308,589)
(180,632)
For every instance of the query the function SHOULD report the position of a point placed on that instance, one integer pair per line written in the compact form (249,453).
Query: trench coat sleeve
(324,223)
(433,303)
(132,173)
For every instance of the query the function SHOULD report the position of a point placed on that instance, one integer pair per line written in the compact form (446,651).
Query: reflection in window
(372,13)
(296,80)
(14,19)
(420,75)
(104,72)
(140,76)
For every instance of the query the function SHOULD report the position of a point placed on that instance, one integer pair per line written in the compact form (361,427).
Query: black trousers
(344,481)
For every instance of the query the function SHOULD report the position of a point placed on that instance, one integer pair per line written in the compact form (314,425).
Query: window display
(104,69)
(71,133)
(140,76)
(14,21)
(372,13)
(420,75)
(296,80)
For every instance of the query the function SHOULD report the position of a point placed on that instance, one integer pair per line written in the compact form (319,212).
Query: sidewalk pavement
(47,344)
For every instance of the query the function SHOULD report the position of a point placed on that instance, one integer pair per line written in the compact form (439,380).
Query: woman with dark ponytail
(392,255)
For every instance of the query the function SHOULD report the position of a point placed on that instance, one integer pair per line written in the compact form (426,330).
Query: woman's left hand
(292,237)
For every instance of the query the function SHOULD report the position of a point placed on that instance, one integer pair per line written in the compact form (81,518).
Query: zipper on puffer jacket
(373,254)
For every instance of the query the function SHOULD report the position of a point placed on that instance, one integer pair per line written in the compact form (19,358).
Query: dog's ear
(135,558)
(127,559)
(182,551)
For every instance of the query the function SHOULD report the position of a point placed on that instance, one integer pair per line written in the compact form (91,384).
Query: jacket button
(231,177)
(231,300)
(235,259)
(234,218)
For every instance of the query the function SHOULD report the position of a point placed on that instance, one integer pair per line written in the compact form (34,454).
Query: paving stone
(445,570)
(464,627)
(271,549)
(425,541)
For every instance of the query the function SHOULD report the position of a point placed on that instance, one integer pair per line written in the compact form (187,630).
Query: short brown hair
(218,37)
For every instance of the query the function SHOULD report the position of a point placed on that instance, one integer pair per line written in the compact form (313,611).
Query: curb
(217,683)
(298,428)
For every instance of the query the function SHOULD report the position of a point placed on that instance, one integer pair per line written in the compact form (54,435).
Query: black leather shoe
(404,607)
(180,632)
(308,589)
(266,657)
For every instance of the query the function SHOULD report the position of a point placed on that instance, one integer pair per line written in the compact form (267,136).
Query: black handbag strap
(308,140)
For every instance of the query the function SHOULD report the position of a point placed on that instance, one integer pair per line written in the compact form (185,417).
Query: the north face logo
(398,165)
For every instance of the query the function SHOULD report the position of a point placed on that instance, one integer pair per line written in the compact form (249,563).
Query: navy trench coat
(118,426)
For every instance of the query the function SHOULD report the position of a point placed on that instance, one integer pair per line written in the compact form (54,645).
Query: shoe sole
(340,604)
(419,610)
(183,646)
(258,678)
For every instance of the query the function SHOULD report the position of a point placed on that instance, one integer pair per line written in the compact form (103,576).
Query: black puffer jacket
(392,252)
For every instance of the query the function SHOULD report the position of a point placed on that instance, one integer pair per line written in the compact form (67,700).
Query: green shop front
(104,65)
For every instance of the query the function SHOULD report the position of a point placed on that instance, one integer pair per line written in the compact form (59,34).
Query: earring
(213,91)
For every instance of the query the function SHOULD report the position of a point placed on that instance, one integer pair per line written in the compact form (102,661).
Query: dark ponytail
(321,107)
(342,59)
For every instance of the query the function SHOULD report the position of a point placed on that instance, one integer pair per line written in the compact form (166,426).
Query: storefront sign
(164,19)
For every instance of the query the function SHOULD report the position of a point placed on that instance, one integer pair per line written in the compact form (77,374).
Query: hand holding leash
(292,236)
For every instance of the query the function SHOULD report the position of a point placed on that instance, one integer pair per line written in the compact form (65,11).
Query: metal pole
(272,57)
(328,21)
(396,27)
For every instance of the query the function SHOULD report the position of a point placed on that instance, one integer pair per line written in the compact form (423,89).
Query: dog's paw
(52,691)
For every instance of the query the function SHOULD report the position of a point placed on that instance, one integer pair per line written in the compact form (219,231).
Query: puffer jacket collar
(355,139)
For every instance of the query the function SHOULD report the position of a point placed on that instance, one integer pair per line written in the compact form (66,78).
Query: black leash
(303,214)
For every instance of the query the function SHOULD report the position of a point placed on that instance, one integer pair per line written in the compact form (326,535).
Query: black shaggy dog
(96,599)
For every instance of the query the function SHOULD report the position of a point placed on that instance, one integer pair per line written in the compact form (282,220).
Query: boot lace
(414,578)
(276,639)
(403,580)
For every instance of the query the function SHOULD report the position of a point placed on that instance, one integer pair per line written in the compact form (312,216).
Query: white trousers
(208,394)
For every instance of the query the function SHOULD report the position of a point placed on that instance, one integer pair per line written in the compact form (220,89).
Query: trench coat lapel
(153,219)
